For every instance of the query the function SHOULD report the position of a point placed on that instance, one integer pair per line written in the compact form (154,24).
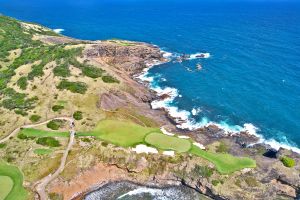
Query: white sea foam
(196,111)
(250,129)
(142,190)
(58,30)
(276,145)
(141,148)
(199,55)
(167,54)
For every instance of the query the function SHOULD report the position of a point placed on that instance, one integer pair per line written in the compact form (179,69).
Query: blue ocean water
(252,76)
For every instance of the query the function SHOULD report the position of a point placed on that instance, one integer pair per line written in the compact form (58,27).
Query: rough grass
(42,151)
(17,192)
(30,132)
(224,163)
(166,142)
(122,133)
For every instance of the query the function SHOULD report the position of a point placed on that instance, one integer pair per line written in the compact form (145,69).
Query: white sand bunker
(201,146)
(183,137)
(141,148)
(164,131)
(169,153)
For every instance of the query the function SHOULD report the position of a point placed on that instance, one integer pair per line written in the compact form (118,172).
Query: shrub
(222,148)
(203,171)
(24,137)
(215,182)
(56,108)
(86,140)
(37,71)
(77,115)
(62,70)
(105,144)
(48,141)
(92,72)
(287,161)
(21,112)
(109,79)
(22,83)
(55,124)
(15,100)
(251,181)
(35,118)
(75,87)
(2,145)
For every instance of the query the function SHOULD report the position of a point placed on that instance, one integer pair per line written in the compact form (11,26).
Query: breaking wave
(58,30)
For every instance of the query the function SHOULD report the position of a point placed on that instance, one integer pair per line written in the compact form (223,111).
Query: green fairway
(42,151)
(165,142)
(6,184)
(126,134)
(14,188)
(30,132)
(225,163)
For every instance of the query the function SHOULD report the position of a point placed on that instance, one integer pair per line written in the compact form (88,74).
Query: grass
(30,132)
(224,163)
(166,142)
(42,151)
(128,134)
(6,185)
(125,134)
(17,192)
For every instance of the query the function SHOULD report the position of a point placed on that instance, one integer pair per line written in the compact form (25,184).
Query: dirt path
(41,185)
(15,132)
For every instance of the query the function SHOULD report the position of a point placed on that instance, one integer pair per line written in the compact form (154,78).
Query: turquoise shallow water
(252,75)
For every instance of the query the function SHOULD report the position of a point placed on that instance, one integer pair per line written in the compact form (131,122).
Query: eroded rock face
(133,57)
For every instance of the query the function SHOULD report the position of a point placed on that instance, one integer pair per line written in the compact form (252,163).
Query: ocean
(250,80)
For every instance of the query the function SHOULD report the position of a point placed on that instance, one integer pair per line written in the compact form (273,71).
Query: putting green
(31,132)
(122,133)
(166,142)
(17,192)
(224,163)
(42,151)
(6,184)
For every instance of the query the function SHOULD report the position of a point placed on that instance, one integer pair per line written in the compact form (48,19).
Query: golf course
(128,134)
(11,182)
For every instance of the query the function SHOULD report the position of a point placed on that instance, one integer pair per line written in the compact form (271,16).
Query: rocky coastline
(269,180)
(278,181)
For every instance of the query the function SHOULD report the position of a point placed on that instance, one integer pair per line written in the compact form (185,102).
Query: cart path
(15,132)
(42,184)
